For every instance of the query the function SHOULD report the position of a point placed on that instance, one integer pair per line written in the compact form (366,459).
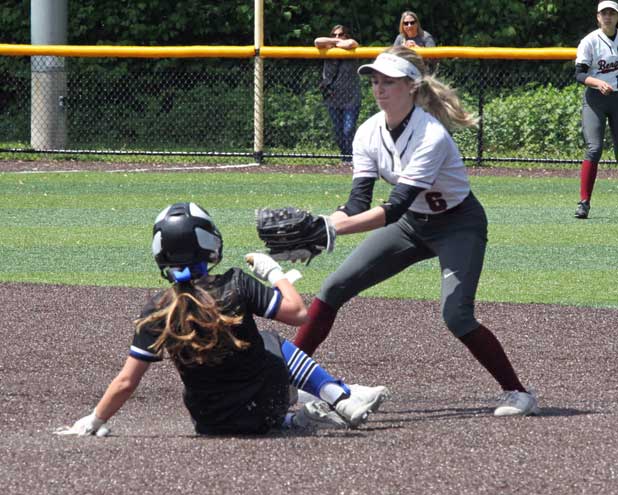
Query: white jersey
(424,156)
(600,53)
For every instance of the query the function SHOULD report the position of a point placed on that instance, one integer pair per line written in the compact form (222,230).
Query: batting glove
(264,267)
(88,425)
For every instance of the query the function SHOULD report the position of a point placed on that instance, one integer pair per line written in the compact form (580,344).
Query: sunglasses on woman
(409,23)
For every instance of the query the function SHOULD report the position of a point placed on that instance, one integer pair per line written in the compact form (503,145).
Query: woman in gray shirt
(411,34)
(340,87)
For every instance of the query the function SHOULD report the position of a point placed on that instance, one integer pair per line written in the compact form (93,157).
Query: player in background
(596,66)
(236,379)
(431,212)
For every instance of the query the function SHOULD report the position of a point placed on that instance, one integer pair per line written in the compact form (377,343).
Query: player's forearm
(325,42)
(591,81)
(117,393)
(292,310)
(348,44)
(121,387)
(595,83)
(363,222)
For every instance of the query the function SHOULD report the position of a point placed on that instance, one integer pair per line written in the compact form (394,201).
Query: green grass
(94,229)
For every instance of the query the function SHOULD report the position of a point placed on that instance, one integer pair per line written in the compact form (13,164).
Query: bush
(301,122)
(295,121)
(535,121)
(198,111)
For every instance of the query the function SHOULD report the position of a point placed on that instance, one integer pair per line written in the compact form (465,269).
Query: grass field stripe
(125,171)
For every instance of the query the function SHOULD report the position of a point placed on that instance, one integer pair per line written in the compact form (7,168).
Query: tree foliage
(518,23)
(511,23)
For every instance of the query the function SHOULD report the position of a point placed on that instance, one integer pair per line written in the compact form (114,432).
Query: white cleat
(362,401)
(374,395)
(318,413)
(514,403)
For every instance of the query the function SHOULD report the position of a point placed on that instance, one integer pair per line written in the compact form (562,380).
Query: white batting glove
(88,425)
(264,267)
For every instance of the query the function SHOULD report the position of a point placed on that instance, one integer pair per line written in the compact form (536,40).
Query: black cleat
(583,208)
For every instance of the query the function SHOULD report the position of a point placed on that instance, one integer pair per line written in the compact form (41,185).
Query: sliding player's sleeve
(258,298)
(141,347)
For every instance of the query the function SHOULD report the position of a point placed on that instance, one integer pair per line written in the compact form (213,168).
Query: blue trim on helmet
(190,272)
(183,275)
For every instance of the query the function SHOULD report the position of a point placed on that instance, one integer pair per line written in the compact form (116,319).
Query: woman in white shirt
(431,212)
(596,66)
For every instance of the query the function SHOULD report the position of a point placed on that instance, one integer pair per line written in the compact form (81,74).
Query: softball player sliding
(236,379)
(596,66)
(430,212)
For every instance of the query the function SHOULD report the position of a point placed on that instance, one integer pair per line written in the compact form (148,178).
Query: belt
(426,217)
(423,217)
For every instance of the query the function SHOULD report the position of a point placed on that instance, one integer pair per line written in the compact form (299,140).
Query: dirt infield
(61,345)
(339,169)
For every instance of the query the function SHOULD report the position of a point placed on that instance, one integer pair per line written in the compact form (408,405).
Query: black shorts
(264,407)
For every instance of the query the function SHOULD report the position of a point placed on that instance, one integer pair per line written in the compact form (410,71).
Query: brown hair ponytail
(191,327)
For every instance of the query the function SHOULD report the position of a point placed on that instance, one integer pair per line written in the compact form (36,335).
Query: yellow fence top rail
(129,51)
(553,53)
(200,51)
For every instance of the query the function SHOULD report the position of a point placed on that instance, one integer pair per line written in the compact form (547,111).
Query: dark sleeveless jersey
(215,393)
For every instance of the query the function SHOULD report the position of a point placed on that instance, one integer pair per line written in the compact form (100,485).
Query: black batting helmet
(184,237)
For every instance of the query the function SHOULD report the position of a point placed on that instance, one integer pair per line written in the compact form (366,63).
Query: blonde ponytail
(444,104)
(435,97)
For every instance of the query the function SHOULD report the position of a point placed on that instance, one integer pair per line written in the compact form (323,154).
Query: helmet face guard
(185,240)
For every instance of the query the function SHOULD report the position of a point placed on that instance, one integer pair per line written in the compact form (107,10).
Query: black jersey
(215,393)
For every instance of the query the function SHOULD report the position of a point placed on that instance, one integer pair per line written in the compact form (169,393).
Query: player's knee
(459,320)
(594,153)
(335,292)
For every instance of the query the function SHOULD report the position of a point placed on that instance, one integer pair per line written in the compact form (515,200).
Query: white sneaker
(318,413)
(375,395)
(304,397)
(363,400)
(514,403)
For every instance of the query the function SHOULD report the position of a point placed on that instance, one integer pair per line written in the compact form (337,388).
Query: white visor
(392,66)
(608,4)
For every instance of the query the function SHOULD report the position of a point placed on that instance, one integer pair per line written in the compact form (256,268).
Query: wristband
(275,275)
(293,276)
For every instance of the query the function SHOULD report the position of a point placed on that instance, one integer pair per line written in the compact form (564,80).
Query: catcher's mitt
(294,234)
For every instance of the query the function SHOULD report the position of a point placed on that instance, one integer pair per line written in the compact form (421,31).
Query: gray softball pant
(457,237)
(596,110)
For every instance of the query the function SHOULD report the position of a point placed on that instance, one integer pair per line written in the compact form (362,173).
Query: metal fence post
(48,125)
(258,85)
(479,132)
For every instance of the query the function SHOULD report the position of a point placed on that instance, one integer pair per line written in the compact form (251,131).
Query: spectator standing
(411,34)
(340,86)
(596,67)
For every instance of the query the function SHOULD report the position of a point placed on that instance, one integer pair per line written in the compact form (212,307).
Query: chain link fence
(530,109)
